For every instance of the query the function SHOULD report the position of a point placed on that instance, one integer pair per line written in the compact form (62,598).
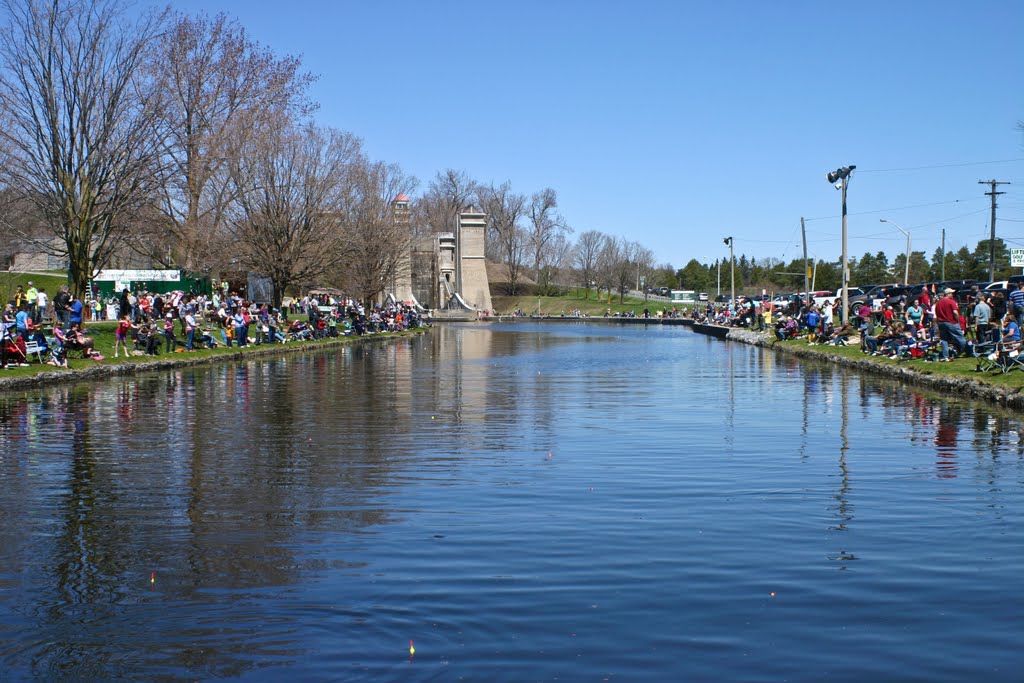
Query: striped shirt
(1017,298)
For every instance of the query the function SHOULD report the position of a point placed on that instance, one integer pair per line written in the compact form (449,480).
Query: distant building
(401,281)
(448,269)
(471,276)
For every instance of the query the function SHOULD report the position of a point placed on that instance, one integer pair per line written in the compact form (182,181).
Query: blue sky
(677,123)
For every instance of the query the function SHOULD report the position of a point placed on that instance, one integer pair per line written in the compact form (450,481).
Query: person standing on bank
(30,301)
(60,306)
(1015,304)
(982,320)
(75,310)
(947,313)
(42,302)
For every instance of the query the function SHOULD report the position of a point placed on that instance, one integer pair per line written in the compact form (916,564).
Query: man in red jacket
(947,313)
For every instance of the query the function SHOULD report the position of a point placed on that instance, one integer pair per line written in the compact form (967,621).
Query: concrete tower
(401,282)
(471,271)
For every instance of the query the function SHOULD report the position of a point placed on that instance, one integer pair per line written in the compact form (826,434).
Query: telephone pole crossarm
(992,225)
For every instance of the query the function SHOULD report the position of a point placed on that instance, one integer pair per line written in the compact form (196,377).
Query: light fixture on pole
(732,272)
(840,178)
(906,269)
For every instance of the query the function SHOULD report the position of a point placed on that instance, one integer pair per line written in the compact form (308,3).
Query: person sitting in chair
(77,341)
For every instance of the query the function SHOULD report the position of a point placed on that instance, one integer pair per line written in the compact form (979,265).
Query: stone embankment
(956,386)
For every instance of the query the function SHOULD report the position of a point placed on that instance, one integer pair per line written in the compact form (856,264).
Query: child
(124,328)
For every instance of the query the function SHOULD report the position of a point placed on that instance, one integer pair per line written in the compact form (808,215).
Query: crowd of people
(932,326)
(182,322)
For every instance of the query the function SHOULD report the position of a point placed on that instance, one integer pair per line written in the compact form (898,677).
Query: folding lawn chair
(32,348)
(985,356)
(1009,357)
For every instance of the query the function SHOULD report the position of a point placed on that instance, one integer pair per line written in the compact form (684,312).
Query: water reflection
(329,503)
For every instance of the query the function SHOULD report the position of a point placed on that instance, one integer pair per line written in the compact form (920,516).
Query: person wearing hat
(190,328)
(30,301)
(947,314)
(172,341)
(75,309)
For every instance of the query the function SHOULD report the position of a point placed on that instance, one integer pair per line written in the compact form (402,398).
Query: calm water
(526,503)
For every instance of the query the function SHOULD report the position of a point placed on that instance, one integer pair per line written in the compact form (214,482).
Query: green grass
(103,336)
(588,303)
(9,282)
(963,368)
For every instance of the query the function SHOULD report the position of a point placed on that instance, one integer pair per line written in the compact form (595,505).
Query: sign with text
(1017,258)
(139,275)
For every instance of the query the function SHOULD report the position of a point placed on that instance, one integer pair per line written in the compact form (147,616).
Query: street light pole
(732,272)
(843,174)
(906,269)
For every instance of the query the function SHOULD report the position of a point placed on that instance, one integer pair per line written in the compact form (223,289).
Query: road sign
(1017,258)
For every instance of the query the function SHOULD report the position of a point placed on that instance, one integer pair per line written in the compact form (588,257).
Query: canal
(574,502)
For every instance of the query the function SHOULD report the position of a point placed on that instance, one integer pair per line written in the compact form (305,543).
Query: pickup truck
(821,298)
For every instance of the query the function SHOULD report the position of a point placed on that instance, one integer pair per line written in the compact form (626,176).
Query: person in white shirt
(42,301)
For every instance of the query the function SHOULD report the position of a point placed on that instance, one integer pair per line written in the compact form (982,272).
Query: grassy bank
(587,302)
(960,368)
(102,334)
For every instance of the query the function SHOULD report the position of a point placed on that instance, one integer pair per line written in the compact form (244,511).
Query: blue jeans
(240,335)
(190,339)
(951,334)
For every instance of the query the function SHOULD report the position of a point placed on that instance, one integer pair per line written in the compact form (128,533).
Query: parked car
(703,296)
(787,302)
(821,298)
(870,295)
(897,296)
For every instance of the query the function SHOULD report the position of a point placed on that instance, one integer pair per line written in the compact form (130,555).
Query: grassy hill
(587,302)
(9,282)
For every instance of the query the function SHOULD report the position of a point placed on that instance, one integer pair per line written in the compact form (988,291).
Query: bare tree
(545,225)
(291,187)
(586,257)
(377,242)
(555,257)
(645,267)
(625,266)
(77,122)
(608,258)
(505,210)
(448,193)
(215,84)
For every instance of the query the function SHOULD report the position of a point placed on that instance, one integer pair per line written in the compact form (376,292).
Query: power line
(923,168)
(900,208)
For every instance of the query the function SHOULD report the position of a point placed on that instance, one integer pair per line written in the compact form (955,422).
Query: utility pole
(803,234)
(841,178)
(732,271)
(992,226)
(943,252)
